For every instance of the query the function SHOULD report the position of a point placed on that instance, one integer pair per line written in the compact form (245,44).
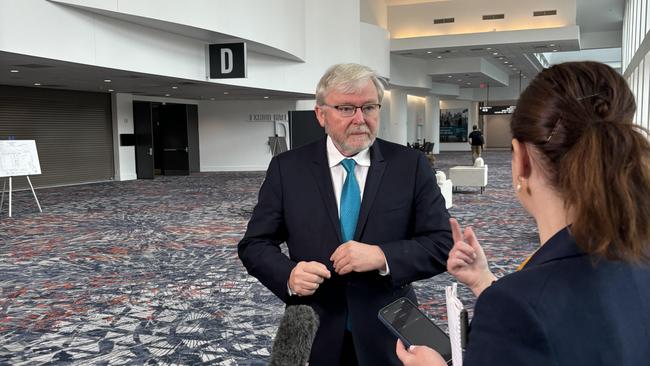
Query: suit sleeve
(259,250)
(506,330)
(424,254)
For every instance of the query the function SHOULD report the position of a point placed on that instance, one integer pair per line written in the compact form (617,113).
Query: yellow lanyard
(523,264)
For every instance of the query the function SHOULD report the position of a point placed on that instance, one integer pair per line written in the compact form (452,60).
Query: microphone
(293,341)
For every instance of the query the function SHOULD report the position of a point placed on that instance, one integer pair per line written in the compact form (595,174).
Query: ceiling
(514,59)
(22,70)
(517,59)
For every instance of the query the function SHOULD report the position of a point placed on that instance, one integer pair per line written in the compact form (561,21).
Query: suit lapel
(321,171)
(373,180)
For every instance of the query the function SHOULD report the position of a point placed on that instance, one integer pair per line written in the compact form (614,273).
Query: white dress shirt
(339,174)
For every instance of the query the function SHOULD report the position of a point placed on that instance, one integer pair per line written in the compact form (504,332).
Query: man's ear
(520,159)
(320,115)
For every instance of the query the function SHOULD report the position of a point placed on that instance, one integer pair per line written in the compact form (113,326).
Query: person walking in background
(581,168)
(362,219)
(476,141)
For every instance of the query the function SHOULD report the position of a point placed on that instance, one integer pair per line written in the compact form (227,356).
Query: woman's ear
(520,159)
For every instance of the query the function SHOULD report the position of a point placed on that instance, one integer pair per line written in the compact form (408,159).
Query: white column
(123,156)
(432,121)
(398,115)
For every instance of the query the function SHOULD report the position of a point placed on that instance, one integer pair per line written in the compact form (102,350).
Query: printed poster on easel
(18,158)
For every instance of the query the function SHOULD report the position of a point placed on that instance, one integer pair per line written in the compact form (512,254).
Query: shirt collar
(334,156)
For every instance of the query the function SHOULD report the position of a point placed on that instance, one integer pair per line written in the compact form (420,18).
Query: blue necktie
(350,201)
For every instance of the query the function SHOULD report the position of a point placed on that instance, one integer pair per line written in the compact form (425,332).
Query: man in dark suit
(356,241)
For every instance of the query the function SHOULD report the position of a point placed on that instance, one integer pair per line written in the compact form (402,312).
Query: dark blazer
(564,308)
(402,211)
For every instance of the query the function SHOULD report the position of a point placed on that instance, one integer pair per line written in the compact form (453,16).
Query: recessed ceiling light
(174,87)
(449,76)
(495,53)
(266,97)
(110,90)
(460,80)
(226,93)
(505,62)
(14,71)
(554,50)
(211,98)
(510,65)
(488,48)
(439,57)
(107,80)
(469,83)
(166,95)
(429,51)
(37,84)
(552,45)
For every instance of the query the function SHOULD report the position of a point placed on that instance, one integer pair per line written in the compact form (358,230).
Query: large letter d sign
(226,60)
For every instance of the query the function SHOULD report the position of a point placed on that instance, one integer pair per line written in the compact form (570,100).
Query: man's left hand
(353,256)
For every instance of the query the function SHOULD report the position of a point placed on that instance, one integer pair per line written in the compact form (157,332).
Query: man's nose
(358,116)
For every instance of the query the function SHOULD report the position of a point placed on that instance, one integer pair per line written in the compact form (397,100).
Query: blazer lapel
(373,180)
(321,171)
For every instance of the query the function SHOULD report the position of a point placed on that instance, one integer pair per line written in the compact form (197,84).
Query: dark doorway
(304,128)
(171,131)
(144,161)
(171,135)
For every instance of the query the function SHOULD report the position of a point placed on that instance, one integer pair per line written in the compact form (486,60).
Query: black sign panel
(499,109)
(227,60)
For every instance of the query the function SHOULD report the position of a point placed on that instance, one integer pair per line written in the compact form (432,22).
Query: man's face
(357,132)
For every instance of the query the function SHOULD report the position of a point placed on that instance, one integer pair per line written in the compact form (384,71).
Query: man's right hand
(306,277)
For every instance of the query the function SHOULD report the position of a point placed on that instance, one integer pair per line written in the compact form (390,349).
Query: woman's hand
(418,356)
(467,261)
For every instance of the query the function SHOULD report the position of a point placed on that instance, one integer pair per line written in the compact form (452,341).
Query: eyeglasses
(348,110)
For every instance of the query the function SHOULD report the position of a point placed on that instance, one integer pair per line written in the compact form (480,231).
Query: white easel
(18,158)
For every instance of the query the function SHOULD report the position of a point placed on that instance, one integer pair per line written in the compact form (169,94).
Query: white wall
(220,16)
(228,142)
(414,117)
(123,156)
(374,12)
(375,48)
(51,30)
(416,20)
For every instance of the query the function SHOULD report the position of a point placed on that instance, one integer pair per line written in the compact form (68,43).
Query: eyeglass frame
(343,114)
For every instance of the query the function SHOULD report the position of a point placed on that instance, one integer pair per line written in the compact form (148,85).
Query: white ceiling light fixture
(226,93)
(107,80)
(174,87)
(14,71)
(167,95)
(37,84)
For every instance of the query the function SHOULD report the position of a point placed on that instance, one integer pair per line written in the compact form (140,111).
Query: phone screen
(414,328)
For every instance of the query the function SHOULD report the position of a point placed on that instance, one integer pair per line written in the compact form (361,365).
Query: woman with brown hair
(581,168)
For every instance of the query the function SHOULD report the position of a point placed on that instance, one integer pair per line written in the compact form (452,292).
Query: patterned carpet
(146,272)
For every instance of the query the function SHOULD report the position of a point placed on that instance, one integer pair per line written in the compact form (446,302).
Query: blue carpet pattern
(146,272)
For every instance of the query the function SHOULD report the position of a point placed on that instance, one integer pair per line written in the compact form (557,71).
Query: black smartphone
(413,327)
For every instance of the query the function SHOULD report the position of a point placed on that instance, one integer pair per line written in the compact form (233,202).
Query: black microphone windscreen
(293,341)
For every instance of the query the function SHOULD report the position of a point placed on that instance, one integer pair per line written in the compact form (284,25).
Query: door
(304,128)
(143,140)
(173,130)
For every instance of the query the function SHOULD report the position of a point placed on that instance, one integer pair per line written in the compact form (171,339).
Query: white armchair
(445,186)
(469,176)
